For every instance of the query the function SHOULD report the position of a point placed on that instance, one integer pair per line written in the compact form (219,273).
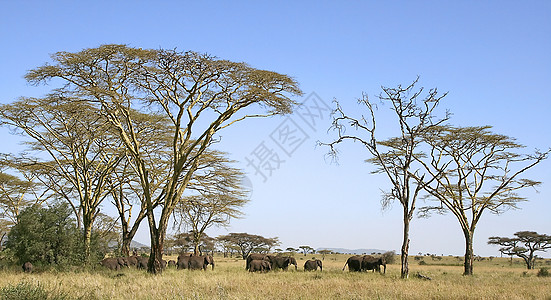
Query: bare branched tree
(393,157)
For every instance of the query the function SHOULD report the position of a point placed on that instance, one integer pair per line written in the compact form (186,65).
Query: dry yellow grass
(229,280)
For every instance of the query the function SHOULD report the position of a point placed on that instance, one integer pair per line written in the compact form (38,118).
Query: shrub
(46,236)
(543,272)
(422,263)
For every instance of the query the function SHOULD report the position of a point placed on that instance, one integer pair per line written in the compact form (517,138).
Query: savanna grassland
(496,279)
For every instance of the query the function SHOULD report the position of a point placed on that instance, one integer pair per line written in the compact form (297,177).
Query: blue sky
(492,57)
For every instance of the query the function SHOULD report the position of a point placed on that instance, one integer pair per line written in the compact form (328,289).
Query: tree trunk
(156,254)
(404,273)
(469,255)
(157,239)
(87,240)
(125,246)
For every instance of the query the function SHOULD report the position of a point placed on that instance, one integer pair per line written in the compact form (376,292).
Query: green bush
(422,263)
(543,272)
(49,236)
(29,291)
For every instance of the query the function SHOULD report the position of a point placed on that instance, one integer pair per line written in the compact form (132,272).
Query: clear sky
(493,57)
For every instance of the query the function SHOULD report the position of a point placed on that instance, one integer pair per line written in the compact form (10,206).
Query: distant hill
(133,245)
(354,251)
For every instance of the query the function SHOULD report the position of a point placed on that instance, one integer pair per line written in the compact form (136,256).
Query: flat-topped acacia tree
(198,93)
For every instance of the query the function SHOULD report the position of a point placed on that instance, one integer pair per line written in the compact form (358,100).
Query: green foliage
(29,291)
(48,236)
(543,272)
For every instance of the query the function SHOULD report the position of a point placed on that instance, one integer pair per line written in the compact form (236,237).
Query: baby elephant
(27,267)
(258,265)
(312,265)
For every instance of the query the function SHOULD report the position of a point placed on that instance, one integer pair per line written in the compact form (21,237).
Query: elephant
(123,262)
(259,265)
(257,256)
(312,265)
(282,262)
(373,263)
(354,263)
(197,262)
(183,260)
(172,263)
(142,262)
(132,261)
(27,267)
(111,263)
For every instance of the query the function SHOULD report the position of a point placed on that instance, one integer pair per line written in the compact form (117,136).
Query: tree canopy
(523,245)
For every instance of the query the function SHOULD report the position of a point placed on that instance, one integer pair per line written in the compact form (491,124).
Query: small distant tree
(523,245)
(323,253)
(292,250)
(248,242)
(306,249)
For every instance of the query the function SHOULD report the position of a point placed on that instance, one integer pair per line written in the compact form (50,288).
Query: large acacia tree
(394,157)
(473,170)
(198,93)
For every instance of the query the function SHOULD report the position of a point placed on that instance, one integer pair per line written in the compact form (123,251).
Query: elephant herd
(264,263)
(255,263)
(185,261)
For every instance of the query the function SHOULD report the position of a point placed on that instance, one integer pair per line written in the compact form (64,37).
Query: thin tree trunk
(469,255)
(404,273)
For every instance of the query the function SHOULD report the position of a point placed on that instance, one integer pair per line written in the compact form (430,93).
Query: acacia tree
(393,157)
(249,242)
(307,249)
(80,147)
(198,93)
(473,170)
(217,197)
(18,190)
(524,244)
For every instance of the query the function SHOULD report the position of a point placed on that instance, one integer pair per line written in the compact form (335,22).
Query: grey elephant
(257,256)
(123,262)
(183,260)
(27,267)
(197,262)
(282,262)
(312,265)
(142,262)
(354,263)
(373,263)
(111,263)
(259,265)
(132,261)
